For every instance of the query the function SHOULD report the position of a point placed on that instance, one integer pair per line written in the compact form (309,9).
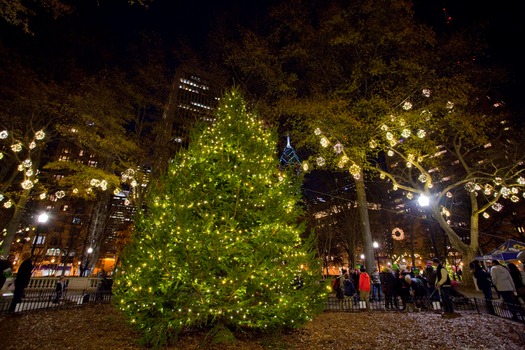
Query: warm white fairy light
(20,167)
(43,196)
(486,215)
(426,92)
(389,136)
(8,204)
(1,155)
(514,198)
(521,180)
(305,166)
(421,133)
(449,194)
(75,191)
(372,144)
(27,163)
(29,172)
(1,197)
(60,194)
(324,141)
(3,134)
(407,106)
(384,127)
(317,131)
(32,145)
(390,153)
(410,195)
(449,105)
(422,178)
(320,161)
(338,148)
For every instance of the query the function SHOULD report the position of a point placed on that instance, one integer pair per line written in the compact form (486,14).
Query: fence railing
(496,307)
(46,298)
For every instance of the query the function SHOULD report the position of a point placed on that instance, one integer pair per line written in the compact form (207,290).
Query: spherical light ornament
(426,92)
(390,153)
(27,184)
(406,133)
(305,166)
(324,141)
(317,131)
(398,234)
(320,161)
(16,147)
(407,106)
(372,144)
(39,135)
(3,134)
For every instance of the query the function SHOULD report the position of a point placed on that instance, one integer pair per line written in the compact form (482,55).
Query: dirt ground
(103,327)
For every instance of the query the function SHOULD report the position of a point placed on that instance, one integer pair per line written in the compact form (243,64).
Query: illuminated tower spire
(289,157)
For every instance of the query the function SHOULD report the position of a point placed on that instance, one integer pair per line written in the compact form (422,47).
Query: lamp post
(376,245)
(41,220)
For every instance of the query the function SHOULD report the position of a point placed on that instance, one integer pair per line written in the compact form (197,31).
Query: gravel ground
(103,327)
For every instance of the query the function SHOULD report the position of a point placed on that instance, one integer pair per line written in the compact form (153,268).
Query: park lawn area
(102,326)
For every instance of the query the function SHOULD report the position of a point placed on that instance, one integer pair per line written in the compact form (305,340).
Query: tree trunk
(12,226)
(362,204)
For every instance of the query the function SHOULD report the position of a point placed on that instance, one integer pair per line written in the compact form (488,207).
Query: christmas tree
(220,244)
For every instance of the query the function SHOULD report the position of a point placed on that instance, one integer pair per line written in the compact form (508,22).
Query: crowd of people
(431,288)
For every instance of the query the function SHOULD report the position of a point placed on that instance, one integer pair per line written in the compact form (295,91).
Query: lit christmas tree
(220,243)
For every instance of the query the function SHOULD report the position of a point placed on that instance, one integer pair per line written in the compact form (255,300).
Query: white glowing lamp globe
(90,250)
(42,218)
(375,244)
(423,200)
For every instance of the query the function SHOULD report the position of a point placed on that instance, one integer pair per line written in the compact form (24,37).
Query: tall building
(193,98)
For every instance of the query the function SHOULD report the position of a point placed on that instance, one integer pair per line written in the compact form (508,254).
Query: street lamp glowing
(42,218)
(423,200)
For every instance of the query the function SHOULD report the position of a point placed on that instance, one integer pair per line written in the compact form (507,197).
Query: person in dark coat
(389,283)
(516,278)
(23,276)
(484,283)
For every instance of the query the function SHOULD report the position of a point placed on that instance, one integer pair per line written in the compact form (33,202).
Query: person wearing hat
(444,285)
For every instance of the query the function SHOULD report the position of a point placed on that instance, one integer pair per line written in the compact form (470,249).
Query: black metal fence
(496,307)
(38,299)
